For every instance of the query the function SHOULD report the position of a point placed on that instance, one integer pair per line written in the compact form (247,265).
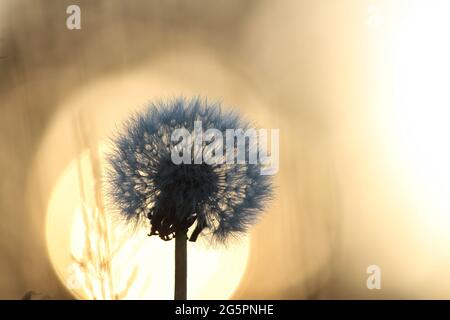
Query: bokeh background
(358,89)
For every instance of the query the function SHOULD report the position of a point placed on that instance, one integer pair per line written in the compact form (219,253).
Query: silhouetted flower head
(143,182)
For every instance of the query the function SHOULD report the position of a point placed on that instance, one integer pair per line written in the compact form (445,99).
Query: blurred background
(358,89)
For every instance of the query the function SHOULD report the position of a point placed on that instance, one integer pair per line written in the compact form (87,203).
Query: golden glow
(364,173)
(421,104)
(98,258)
(91,115)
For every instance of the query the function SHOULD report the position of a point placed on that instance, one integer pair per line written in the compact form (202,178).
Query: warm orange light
(97,257)
(420,108)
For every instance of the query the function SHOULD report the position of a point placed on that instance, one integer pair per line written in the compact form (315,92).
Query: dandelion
(182,201)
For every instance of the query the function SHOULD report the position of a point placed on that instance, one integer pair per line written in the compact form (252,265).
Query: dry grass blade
(99,249)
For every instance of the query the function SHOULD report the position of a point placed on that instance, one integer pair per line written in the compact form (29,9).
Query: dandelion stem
(180,265)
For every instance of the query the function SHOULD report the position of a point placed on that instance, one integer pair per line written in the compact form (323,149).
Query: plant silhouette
(182,201)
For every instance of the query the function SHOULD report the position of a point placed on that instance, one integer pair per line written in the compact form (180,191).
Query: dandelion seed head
(219,200)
